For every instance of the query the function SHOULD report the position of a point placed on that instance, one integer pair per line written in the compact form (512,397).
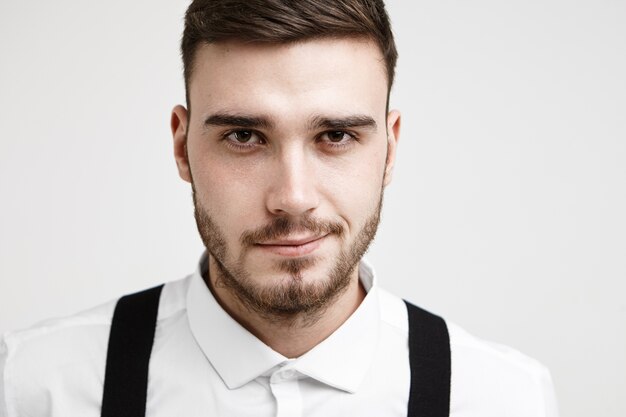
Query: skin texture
(288,148)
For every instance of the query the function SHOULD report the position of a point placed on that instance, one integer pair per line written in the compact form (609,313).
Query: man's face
(288,148)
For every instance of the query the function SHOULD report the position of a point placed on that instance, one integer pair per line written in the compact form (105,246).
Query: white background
(506,214)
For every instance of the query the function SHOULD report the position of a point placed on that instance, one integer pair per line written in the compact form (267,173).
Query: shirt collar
(341,360)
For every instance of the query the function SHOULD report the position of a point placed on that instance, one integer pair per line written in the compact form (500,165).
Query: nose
(293,189)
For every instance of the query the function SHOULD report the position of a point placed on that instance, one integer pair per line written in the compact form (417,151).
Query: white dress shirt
(204,363)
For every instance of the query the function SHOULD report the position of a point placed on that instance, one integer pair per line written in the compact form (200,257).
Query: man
(288,143)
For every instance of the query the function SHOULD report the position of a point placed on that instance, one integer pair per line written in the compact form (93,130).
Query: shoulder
(486,354)
(65,357)
(489,379)
(515,383)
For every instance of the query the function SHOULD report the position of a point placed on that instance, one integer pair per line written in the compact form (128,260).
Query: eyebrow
(339,123)
(239,120)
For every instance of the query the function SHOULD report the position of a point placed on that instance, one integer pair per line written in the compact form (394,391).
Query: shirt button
(289,373)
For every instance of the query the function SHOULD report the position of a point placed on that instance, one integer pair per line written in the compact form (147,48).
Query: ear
(179,124)
(393,135)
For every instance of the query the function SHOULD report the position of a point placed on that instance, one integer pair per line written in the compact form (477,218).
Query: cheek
(353,187)
(230,195)
(222,183)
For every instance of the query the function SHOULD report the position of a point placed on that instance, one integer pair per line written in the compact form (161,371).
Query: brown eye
(336,136)
(336,140)
(243,136)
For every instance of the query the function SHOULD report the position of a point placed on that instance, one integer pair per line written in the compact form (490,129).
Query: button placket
(286,390)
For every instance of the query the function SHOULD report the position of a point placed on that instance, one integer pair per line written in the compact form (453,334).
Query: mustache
(283,226)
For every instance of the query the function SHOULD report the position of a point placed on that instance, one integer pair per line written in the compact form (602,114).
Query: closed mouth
(292,247)
(291,242)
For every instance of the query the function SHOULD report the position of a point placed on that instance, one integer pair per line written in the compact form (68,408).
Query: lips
(292,247)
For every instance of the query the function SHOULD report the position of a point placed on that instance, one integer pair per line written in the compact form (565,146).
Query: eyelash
(241,146)
(351,141)
(247,147)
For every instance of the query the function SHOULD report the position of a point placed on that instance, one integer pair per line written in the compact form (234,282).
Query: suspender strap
(429,355)
(128,355)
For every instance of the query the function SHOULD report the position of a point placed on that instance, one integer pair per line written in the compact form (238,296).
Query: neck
(292,335)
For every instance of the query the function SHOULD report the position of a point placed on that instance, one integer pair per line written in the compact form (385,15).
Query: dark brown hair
(285,21)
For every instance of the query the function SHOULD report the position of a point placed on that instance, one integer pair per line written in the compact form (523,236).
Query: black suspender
(132,336)
(429,355)
(128,355)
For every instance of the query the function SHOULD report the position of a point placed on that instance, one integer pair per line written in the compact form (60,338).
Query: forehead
(315,76)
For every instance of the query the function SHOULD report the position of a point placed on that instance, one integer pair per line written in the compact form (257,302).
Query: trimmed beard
(293,299)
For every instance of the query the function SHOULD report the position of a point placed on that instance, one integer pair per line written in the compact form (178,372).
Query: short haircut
(286,21)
